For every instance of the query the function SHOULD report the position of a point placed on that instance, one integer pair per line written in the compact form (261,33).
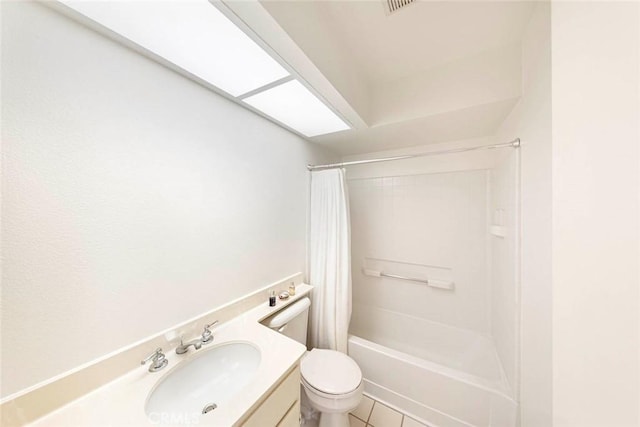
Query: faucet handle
(207,335)
(158,358)
(210,324)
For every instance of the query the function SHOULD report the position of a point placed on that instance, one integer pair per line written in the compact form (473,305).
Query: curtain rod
(513,144)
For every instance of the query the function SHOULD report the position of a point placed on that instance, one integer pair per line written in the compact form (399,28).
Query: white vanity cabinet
(281,408)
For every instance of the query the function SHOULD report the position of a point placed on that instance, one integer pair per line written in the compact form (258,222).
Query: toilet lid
(330,371)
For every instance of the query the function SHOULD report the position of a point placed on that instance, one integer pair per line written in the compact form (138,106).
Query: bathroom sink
(197,386)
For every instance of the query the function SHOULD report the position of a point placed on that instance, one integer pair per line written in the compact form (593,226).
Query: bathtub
(438,374)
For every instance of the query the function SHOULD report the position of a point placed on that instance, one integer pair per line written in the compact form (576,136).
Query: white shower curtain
(329,260)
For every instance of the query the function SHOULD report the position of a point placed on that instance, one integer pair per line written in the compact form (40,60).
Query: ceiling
(420,36)
(421,56)
(478,121)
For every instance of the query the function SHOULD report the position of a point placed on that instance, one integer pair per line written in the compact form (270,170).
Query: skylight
(194,35)
(295,106)
(198,38)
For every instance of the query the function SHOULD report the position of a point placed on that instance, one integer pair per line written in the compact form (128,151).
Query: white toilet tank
(291,321)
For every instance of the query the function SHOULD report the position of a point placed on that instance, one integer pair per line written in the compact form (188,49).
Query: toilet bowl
(333,384)
(332,381)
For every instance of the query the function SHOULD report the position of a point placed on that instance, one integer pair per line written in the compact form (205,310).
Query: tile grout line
(359,419)
(366,422)
(403,416)
(371,411)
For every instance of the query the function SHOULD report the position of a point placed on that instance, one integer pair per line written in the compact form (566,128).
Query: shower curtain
(329,260)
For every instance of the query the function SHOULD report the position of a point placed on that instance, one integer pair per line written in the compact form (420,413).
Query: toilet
(332,381)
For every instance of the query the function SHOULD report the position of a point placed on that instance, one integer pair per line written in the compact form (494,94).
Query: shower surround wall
(437,221)
(504,213)
(453,218)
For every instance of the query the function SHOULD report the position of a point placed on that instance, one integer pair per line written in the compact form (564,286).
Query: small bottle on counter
(272,299)
(292,289)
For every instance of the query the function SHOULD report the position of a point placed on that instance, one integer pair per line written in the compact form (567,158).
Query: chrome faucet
(158,360)
(184,346)
(206,338)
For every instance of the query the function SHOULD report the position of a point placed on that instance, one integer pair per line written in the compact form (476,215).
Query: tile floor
(371,413)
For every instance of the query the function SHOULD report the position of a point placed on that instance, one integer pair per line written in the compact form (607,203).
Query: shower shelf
(498,230)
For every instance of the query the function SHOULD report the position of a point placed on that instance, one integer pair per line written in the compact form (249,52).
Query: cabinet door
(276,405)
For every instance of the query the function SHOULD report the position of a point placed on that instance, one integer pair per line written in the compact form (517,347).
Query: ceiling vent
(391,6)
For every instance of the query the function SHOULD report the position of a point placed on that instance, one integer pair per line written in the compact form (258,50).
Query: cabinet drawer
(276,405)
(292,418)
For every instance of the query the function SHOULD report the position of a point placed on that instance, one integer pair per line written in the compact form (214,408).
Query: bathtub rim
(506,386)
(469,379)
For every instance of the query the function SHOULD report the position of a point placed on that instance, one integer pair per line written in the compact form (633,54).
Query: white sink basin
(211,377)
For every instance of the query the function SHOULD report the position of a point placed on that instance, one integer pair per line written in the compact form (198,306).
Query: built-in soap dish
(498,231)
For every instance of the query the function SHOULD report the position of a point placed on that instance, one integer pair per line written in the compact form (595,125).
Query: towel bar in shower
(433,283)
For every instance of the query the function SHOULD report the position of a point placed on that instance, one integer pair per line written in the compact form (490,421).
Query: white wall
(531,121)
(596,213)
(133,198)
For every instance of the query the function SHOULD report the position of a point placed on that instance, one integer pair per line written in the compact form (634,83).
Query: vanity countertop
(121,402)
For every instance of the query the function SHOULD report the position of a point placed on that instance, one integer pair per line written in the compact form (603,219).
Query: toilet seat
(330,373)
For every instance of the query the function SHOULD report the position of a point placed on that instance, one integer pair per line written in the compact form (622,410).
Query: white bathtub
(444,376)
